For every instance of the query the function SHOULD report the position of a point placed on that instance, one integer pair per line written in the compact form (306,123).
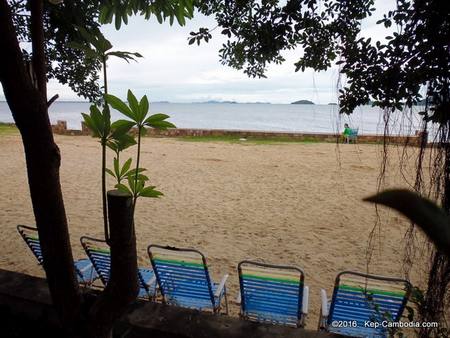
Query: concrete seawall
(61,128)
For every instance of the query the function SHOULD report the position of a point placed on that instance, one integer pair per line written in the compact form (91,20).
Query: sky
(174,71)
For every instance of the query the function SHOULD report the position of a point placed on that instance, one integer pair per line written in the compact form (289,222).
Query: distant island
(302,102)
(231,102)
(215,101)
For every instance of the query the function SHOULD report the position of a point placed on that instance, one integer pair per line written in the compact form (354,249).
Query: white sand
(291,204)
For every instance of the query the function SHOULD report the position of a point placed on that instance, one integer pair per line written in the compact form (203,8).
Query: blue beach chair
(352,136)
(85,271)
(360,299)
(99,253)
(272,294)
(184,280)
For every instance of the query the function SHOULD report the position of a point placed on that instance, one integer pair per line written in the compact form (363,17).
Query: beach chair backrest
(182,276)
(354,132)
(360,297)
(100,256)
(271,293)
(31,238)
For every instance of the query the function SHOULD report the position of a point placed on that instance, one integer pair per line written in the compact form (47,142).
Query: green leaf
(139,186)
(121,127)
(89,52)
(118,21)
(132,172)
(103,43)
(143,106)
(116,167)
(421,211)
(124,55)
(123,188)
(112,144)
(141,177)
(157,121)
(157,117)
(90,124)
(179,13)
(97,120)
(150,192)
(119,105)
(131,183)
(159,17)
(124,141)
(126,167)
(109,171)
(143,131)
(161,125)
(134,105)
(104,13)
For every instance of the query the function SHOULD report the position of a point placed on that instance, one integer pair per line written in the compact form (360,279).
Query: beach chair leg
(226,300)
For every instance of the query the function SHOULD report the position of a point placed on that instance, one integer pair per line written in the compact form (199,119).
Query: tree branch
(53,99)
(38,41)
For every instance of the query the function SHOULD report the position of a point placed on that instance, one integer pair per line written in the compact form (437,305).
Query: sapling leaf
(103,43)
(116,167)
(123,188)
(162,125)
(119,105)
(157,117)
(131,184)
(157,121)
(421,211)
(150,192)
(134,106)
(126,167)
(88,52)
(112,144)
(143,106)
(121,142)
(127,56)
(109,171)
(132,172)
(90,124)
(97,120)
(141,177)
(139,186)
(121,127)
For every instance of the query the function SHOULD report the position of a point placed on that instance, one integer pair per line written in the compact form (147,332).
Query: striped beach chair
(272,294)
(99,253)
(184,280)
(85,271)
(361,302)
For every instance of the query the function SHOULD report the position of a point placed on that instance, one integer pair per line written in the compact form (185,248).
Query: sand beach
(285,203)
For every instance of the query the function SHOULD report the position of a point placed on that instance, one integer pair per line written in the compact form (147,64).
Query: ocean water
(258,116)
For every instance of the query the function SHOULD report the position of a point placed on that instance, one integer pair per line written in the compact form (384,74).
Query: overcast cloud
(174,71)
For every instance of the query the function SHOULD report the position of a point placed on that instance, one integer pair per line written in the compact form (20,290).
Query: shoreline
(256,135)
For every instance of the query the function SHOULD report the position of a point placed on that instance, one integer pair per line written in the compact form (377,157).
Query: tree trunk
(122,288)
(433,307)
(29,109)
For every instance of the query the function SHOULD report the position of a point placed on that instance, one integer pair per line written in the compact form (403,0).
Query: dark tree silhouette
(23,76)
